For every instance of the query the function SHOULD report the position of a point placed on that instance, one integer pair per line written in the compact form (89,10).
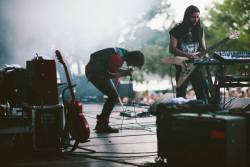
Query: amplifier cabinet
(14,87)
(42,82)
(190,139)
(48,126)
(245,114)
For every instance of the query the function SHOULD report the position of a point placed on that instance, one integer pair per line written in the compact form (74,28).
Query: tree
(228,16)
(153,42)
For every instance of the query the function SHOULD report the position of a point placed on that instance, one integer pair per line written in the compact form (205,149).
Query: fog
(76,27)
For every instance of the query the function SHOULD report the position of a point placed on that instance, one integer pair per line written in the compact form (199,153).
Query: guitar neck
(69,82)
(216,45)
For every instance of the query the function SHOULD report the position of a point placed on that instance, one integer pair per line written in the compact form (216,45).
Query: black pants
(106,87)
(198,82)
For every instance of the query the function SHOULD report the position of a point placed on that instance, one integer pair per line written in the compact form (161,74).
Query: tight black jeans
(106,87)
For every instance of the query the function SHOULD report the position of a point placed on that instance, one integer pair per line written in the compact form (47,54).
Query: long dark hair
(196,30)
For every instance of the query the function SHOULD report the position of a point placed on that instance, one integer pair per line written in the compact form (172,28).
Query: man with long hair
(104,65)
(187,39)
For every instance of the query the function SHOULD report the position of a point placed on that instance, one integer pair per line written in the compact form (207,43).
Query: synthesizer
(233,56)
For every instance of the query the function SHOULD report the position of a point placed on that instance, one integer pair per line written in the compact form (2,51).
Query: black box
(201,140)
(42,82)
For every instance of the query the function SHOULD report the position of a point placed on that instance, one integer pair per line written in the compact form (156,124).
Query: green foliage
(144,36)
(153,42)
(223,18)
(226,17)
(153,56)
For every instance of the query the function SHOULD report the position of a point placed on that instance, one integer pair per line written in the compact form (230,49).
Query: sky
(76,27)
(179,6)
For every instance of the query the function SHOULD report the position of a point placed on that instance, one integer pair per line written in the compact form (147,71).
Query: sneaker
(102,125)
(105,129)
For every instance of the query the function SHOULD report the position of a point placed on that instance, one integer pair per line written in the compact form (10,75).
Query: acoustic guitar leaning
(186,67)
(76,124)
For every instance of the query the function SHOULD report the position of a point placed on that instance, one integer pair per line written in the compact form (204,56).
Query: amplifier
(48,126)
(14,87)
(42,82)
(191,139)
(245,114)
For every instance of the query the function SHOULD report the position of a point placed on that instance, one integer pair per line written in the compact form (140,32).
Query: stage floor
(134,145)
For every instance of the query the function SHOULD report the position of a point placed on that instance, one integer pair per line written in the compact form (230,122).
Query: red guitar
(76,124)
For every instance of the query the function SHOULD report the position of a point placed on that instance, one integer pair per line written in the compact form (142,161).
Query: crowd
(149,97)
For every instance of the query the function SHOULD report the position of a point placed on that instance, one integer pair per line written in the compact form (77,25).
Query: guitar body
(176,60)
(186,68)
(78,125)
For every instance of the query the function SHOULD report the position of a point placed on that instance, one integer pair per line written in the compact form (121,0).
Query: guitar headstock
(234,35)
(59,57)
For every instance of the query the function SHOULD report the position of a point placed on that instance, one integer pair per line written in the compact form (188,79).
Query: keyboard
(233,56)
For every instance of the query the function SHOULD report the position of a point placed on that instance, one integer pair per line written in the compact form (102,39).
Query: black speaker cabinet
(245,114)
(201,140)
(42,82)
(48,126)
(14,89)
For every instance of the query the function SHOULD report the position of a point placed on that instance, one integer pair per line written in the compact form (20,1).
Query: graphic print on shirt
(188,45)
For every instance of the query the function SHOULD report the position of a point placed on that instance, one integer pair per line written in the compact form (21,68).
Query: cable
(124,108)
(149,124)
(106,159)
(122,105)
(230,100)
(119,98)
(130,91)
(105,152)
(125,143)
(107,156)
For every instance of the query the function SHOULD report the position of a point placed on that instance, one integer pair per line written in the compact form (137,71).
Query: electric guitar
(76,123)
(186,67)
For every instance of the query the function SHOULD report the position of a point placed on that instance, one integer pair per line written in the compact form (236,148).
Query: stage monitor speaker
(42,82)
(207,140)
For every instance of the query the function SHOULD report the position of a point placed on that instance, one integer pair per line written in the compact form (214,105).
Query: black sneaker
(105,129)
